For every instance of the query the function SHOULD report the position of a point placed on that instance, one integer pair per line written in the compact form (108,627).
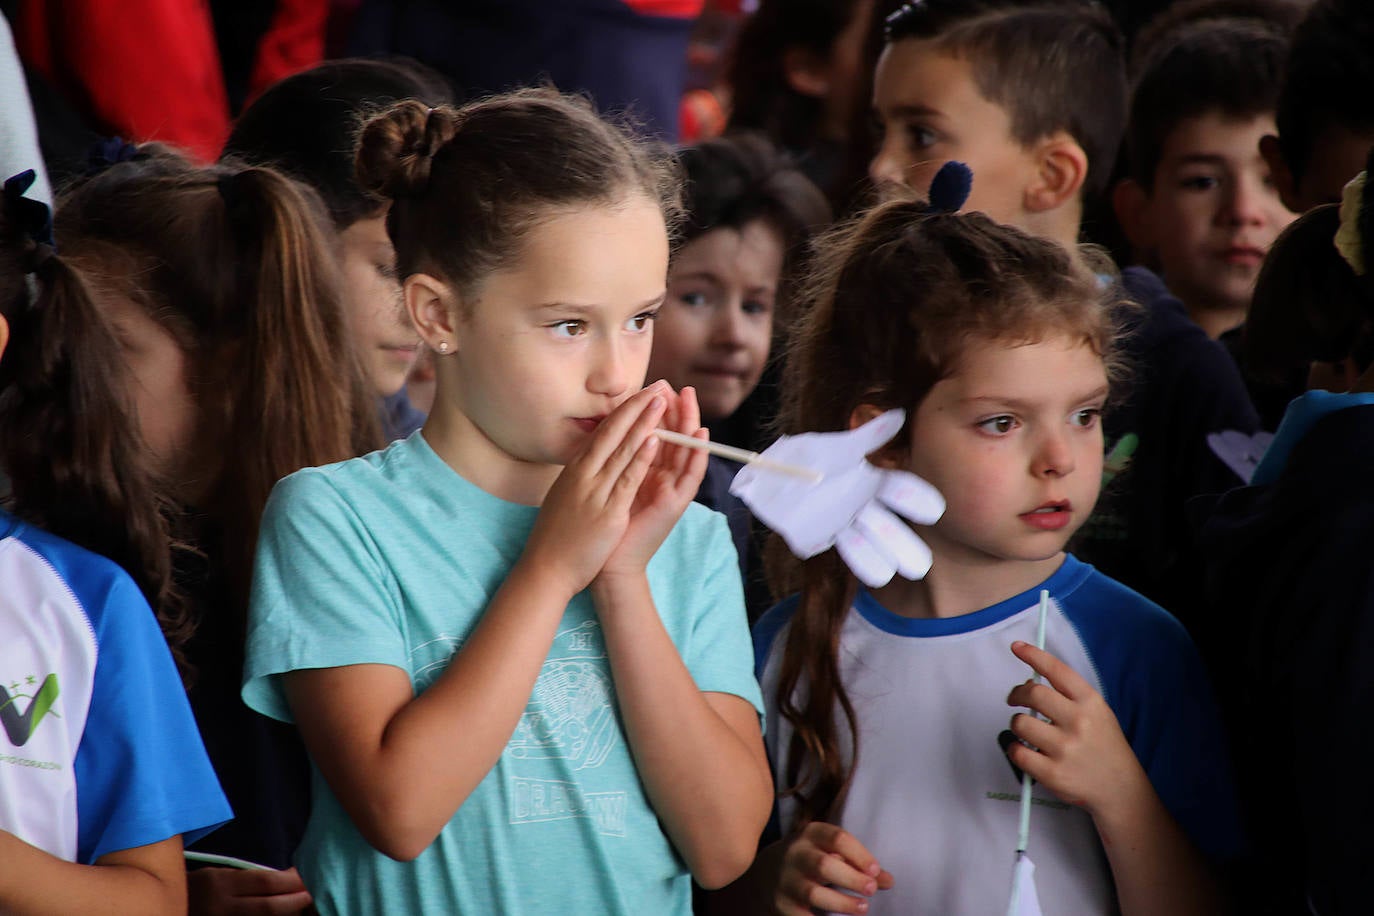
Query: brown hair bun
(397,148)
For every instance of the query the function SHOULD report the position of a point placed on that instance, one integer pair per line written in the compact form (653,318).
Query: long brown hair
(894,300)
(68,441)
(236,264)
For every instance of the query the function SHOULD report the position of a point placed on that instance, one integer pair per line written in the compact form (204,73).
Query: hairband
(1349,240)
(111,151)
(33,219)
(950,187)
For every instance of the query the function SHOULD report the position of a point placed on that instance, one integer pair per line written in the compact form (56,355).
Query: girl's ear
(430,303)
(807,73)
(890,456)
(1280,173)
(4,334)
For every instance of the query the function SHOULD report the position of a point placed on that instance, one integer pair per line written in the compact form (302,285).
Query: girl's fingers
(1043,699)
(630,445)
(833,901)
(831,838)
(1037,733)
(1063,678)
(626,485)
(612,431)
(832,868)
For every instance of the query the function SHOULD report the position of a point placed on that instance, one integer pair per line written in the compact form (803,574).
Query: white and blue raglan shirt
(98,750)
(933,796)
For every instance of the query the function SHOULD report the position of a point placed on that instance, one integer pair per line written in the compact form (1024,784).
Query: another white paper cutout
(854,508)
(1024,899)
(1240,453)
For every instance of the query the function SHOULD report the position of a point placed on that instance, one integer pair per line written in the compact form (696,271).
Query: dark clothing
(1290,587)
(714,493)
(1270,396)
(1183,386)
(628,54)
(399,417)
(261,763)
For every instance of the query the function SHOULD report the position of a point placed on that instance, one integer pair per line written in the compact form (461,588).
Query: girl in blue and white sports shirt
(887,705)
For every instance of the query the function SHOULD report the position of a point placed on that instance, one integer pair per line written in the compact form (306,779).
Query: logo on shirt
(19,727)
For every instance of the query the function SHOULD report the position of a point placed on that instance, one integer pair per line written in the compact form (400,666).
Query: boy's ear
(1279,172)
(4,334)
(1061,169)
(806,72)
(432,307)
(1131,202)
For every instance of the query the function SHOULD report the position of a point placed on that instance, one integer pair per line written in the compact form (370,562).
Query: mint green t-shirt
(391,559)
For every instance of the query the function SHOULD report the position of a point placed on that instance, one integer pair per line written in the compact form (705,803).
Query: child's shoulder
(1099,602)
(60,571)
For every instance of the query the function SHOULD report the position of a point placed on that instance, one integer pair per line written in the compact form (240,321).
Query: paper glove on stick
(854,508)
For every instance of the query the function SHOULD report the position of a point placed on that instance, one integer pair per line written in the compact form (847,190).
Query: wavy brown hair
(894,300)
(236,264)
(468,184)
(68,440)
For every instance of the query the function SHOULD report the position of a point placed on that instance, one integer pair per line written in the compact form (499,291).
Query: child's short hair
(1051,64)
(1282,15)
(733,180)
(468,184)
(1310,302)
(1231,67)
(1328,78)
(307,125)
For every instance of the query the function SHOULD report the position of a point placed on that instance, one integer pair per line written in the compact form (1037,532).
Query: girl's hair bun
(397,148)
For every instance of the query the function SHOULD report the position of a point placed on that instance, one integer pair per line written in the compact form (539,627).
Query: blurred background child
(307,126)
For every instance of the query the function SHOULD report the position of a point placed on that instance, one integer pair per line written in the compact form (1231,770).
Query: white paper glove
(855,506)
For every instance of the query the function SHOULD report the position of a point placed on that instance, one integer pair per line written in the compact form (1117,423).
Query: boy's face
(1213,211)
(929,110)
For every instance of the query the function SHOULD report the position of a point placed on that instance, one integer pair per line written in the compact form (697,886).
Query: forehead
(916,75)
(1055,366)
(593,255)
(753,251)
(1217,135)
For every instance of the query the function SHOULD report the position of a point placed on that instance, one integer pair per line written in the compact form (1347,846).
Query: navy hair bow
(950,187)
(110,151)
(32,218)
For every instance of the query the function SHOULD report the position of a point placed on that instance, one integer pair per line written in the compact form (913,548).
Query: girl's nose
(1053,456)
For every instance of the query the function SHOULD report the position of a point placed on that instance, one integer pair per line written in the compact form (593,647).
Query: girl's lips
(1049,517)
(588,424)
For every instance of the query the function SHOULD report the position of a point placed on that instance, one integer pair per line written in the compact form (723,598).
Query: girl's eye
(693,299)
(998,425)
(641,321)
(757,307)
(572,327)
(1087,418)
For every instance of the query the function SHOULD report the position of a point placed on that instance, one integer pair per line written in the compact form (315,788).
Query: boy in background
(1033,97)
(1199,204)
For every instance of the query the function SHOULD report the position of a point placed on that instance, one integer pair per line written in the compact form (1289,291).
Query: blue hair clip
(110,151)
(950,187)
(33,218)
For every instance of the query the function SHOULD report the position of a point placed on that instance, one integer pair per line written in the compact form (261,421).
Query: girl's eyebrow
(575,308)
(1097,393)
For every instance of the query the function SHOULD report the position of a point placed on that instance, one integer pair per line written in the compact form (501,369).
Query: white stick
(1023,833)
(743,456)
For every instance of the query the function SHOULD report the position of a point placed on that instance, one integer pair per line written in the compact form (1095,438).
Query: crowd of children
(255,659)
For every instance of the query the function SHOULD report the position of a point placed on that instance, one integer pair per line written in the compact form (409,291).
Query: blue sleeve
(1153,679)
(322,595)
(142,773)
(717,653)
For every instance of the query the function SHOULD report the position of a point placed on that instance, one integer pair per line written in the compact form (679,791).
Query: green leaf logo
(19,727)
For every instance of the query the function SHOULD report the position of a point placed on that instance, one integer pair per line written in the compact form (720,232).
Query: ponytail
(293,392)
(68,440)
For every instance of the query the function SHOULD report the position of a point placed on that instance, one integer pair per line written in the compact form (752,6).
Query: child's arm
(401,764)
(1084,758)
(145,880)
(699,753)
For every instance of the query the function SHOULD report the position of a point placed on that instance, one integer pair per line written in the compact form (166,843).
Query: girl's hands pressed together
(1080,754)
(587,509)
(819,864)
(671,483)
